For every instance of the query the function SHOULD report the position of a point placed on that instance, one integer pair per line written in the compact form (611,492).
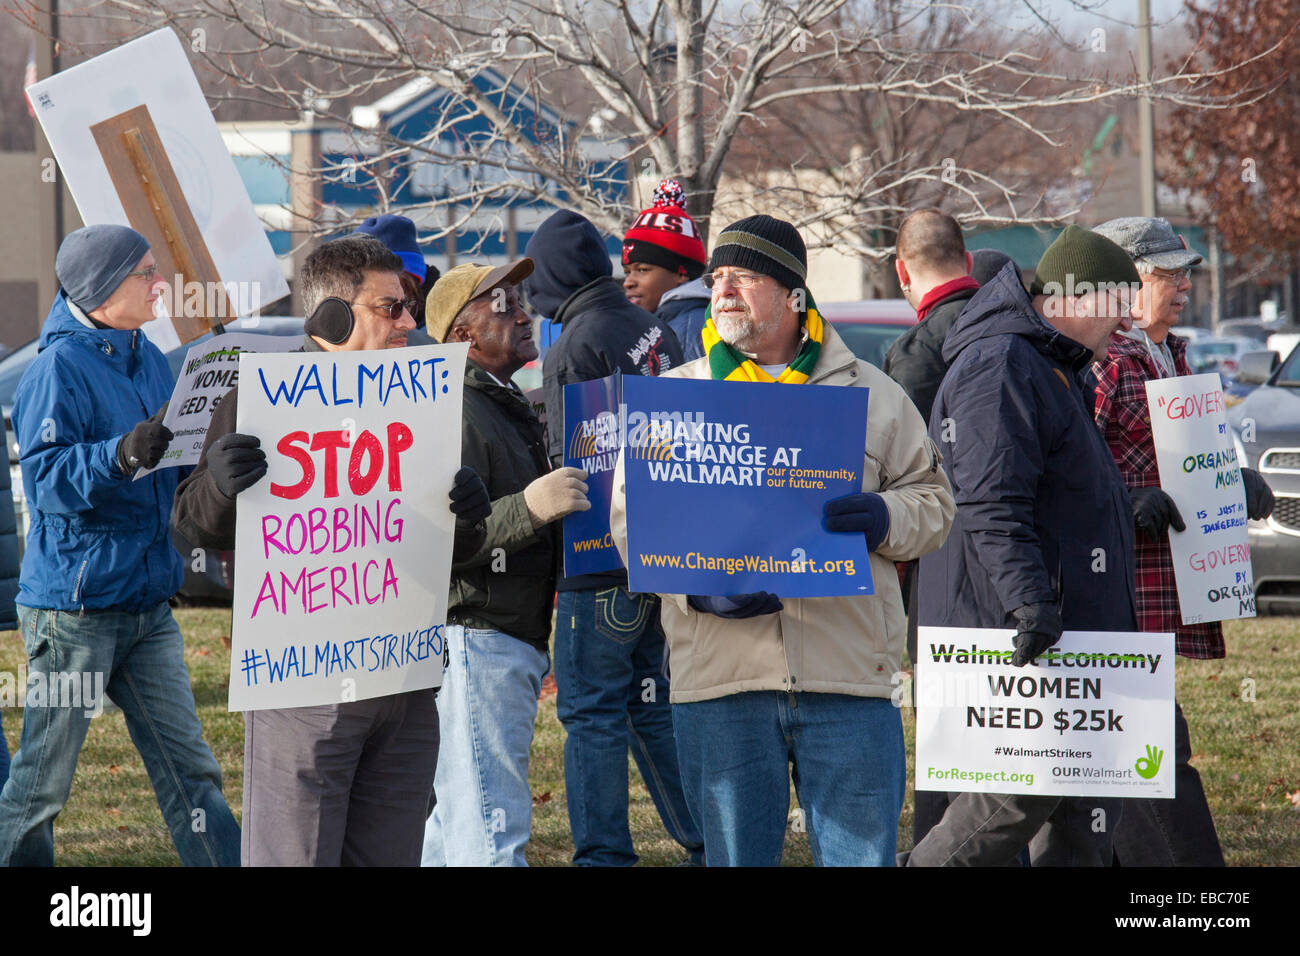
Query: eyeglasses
(147,273)
(741,280)
(394,309)
(1176,276)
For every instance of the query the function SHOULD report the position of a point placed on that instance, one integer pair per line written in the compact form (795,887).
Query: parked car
(215,580)
(1192,333)
(1266,434)
(1283,342)
(869,327)
(1220,354)
(1251,327)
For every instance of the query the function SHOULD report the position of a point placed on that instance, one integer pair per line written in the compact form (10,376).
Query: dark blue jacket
(683,309)
(98,540)
(1042,512)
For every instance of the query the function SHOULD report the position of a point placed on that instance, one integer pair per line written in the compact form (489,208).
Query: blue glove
(736,606)
(865,512)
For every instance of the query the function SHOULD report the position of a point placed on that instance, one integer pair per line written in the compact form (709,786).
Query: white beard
(741,331)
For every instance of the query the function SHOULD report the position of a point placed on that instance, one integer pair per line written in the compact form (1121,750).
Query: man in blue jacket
(100,566)
(1039,501)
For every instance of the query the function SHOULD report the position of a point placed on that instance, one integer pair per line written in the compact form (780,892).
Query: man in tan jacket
(760,684)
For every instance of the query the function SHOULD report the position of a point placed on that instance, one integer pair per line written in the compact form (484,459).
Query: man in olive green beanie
(1084,276)
(1039,497)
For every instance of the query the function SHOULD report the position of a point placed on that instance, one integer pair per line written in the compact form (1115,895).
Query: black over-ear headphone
(332,321)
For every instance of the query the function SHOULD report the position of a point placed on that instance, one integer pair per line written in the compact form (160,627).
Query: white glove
(556,494)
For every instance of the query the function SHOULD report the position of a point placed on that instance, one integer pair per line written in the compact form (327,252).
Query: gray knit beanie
(93,261)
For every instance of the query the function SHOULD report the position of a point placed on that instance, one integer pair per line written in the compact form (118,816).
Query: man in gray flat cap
(100,566)
(1178,832)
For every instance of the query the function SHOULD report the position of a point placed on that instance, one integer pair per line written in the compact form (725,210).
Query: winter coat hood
(567,254)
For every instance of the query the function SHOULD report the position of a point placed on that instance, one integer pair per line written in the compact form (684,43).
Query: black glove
(736,606)
(1259,496)
(1038,627)
(144,445)
(865,512)
(236,462)
(1154,512)
(469,498)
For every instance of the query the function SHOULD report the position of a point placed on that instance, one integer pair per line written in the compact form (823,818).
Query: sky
(1106,13)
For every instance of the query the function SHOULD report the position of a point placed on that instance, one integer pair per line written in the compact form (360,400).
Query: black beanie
(1081,257)
(92,262)
(567,253)
(764,245)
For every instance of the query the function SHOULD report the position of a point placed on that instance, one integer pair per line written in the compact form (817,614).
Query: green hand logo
(1148,766)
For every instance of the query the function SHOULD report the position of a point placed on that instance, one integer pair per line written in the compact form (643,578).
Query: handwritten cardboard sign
(210,371)
(1199,470)
(343,550)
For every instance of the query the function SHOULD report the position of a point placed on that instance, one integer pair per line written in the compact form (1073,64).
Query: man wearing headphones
(337,784)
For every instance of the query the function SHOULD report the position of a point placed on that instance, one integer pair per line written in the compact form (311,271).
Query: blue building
(355,174)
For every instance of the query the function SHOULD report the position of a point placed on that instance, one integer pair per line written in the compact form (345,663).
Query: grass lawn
(1246,750)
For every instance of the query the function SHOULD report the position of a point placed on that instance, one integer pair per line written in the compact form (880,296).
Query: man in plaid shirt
(1178,832)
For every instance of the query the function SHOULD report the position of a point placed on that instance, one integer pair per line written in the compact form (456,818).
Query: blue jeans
(486,710)
(612,694)
(138,659)
(849,768)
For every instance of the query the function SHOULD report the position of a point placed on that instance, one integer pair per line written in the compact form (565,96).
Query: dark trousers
(928,805)
(341,784)
(1177,832)
(992,829)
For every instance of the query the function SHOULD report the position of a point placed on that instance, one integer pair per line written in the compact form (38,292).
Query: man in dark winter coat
(334,784)
(609,644)
(933,269)
(1037,495)
(499,608)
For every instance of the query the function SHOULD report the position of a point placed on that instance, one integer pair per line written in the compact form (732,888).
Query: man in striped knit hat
(761,682)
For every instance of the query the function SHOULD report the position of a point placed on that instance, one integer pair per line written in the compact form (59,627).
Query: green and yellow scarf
(728,365)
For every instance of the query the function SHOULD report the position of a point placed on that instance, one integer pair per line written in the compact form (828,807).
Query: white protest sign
(154,72)
(1094,716)
(1199,470)
(211,370)
(343,550)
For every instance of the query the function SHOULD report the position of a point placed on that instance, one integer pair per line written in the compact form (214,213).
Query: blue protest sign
(591,442)
(727,482)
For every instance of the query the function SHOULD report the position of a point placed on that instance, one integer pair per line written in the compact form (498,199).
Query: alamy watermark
(83,690)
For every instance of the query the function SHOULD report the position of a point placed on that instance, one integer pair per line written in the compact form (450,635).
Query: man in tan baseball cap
(499,618)
(461,285)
